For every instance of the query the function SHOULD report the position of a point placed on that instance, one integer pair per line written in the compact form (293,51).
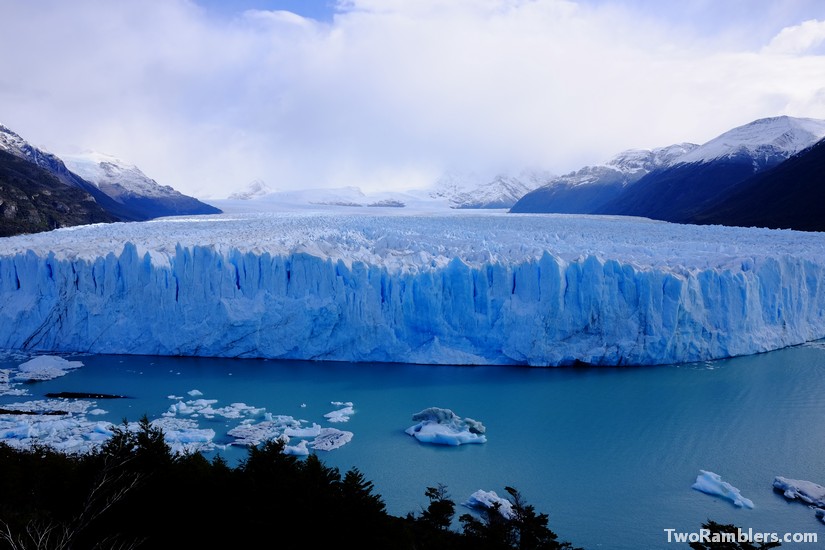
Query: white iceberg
(45,367)
(712,484)
(300,449)
(487,500)
(251,433)
(341,415)
(439,426)
(61,425)
(7,387)
(330,439)
(183,435)
(806,491)
(312,431)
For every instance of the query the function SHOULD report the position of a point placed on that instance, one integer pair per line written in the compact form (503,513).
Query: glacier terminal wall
(541,309)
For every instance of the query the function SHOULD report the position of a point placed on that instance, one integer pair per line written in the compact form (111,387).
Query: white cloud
(387,94)
(798,39)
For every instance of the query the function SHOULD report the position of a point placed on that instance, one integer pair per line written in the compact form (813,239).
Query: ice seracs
(494,288)
(439,426)
(712,484)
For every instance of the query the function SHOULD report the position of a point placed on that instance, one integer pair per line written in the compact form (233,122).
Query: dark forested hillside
(32,200)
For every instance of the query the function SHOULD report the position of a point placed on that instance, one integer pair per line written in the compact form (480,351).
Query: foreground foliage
(134,493)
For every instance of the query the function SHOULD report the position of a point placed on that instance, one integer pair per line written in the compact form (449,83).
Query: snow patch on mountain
(255,190)
(626,167)
(471,190)
(116,177)
(13,143)
(767,140)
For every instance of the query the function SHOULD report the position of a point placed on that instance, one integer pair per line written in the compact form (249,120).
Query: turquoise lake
(609,453)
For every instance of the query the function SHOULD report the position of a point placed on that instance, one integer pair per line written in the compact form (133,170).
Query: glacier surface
(436,288)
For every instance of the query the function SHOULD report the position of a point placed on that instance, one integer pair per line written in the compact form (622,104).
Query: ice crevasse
(535,290)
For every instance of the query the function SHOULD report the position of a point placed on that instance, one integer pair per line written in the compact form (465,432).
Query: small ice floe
(7,387)
(806,491)
(61,425)
(330,439)
(443,427)
(204,407)
(284,427)
(300,449)
(251,433)
(312,431)
(340,415)
(194,393)
(45,367)
(182,434)
(712,484)
(487,500)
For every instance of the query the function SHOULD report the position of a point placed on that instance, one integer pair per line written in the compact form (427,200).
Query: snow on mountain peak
(114,176)
(768,139)
(635,161)
(13,143)
(471,190)
(255,189)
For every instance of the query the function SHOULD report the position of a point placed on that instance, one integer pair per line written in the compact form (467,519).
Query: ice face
(540,290)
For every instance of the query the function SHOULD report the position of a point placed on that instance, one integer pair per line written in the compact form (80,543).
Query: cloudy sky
(208,95)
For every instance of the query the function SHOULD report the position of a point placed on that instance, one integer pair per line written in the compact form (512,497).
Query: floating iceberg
(7,386)
(300,449)
(443,427)
(330,439)
(712,484)
(487,500)
(45,367)
(806,491)
(60,424)
(340,415)
(445,289)
(183,435)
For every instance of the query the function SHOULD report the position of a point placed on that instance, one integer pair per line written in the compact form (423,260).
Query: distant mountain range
(744,176)
(44,192)
(768,173)
(470,190)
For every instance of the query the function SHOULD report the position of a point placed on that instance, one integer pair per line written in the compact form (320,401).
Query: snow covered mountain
(129,186)
(541,290)
(586,190)
(470,190)
(119,188)
(767,141)
(255,189)
(700,178)
(678,182)
(790,195)
(13,144)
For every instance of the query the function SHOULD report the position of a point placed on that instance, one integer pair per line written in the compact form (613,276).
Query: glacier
(433,288)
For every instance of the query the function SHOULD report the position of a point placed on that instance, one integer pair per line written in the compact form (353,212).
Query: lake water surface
(609,453)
